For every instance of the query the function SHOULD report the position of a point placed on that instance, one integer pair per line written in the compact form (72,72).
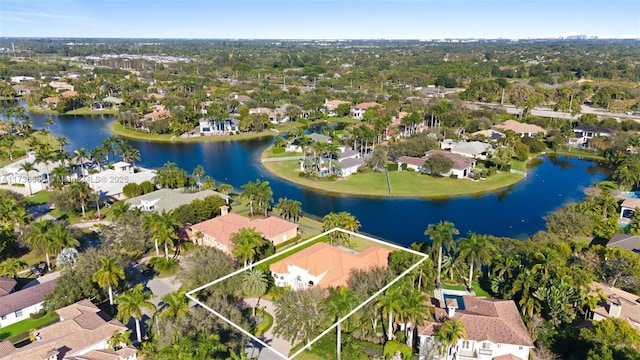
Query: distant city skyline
(320,19)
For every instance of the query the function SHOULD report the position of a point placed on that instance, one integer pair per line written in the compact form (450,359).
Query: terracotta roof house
(494,328)
(628,208)
(619,304)
(18,305)
(50,102)
(217,232)
(325,266)
(359,109)
(68,93)
(625,241)
(82,329)
(7,285)
(521,129)
(332,106)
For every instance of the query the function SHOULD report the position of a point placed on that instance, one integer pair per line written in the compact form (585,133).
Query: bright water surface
(517,211)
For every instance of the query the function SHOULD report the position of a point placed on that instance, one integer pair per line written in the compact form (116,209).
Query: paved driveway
(253,348)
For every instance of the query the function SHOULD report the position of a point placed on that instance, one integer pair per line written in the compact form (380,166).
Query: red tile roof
(336,262)
(221,228)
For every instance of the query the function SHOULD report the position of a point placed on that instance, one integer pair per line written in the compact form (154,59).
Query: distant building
(470,149)
(521,129)
(324,265)
(619,304)
(169,199)
(584,133)
(359,110)
(625,241)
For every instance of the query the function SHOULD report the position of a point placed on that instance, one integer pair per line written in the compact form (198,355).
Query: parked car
(39,269)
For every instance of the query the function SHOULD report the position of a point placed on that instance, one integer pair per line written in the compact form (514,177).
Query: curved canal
(517,211)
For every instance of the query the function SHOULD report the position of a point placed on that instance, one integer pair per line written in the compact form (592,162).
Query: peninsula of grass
(128,133)
(403,183)
(88,111)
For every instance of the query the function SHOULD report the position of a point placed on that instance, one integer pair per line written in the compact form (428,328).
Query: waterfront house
(209,127)
(82,333)
(521,129)
(469,149)
(359,110)
(462,166)
(331,106)
(17,306)
(494,328)
(628,208)
(217,232)
(109,184)
(617,304)
(350,166)
(584,133)
(21,90)
(324,265)
(59,86)
(50,102)
(169,199)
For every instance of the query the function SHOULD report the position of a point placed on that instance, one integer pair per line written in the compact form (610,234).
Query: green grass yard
(25,325)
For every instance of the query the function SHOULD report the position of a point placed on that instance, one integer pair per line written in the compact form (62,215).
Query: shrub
(38,315)
(132,190)
(303,174)
(333,177)
(404,166)
(147,187)
(164,264)
(476,176)
(303,121)
(392,167)
(276,150)
(453,176)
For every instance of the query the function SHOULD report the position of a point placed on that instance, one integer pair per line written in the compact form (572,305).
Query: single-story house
(470,149)
(217,232)
(628,208)
(19,79)
(350,166)
(169,199)
(110,183)
(494,328)
(625,241)
(17,306)
(325,266)
(61,86)
(7,285)
(521,129)
(358,110)
(584,133)
(619,305)
(68,94)
(294,145)
(274,117)
(50,102)
(21,90)
(242,99)
(82,333)
(462,166)
(490,134)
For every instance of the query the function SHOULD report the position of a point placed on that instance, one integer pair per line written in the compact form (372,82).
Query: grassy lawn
(587,154)
(39,110)
(403,183)
(269,154)
(25,325)
(476,288)
(264,326)
(121,130)
(39,198)
(87,111)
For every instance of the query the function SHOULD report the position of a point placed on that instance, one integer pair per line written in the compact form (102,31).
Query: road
(550,113)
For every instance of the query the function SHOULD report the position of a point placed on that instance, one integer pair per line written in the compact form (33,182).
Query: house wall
(485,350)
(211,241)
(100,345)
(282,237)
(297,278)
(12,318)
(349,171)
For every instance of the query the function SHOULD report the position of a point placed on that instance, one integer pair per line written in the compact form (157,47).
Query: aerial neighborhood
(356,199)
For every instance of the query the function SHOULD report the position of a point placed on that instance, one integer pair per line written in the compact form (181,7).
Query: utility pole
(502,97)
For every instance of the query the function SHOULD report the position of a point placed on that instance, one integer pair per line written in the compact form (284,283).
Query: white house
(349,166)
(331,106)
(325,266)
(359,110)
(110,183)
(628,208)
(82,333)
(494,328)
(169,199)
(218,127)
(584,133)
(18,305)
(462,166)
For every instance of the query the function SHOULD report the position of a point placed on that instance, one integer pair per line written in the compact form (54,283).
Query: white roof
(111,182)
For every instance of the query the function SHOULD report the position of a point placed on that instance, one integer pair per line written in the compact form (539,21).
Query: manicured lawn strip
(87,111)
(39,198)
(25,325)
(38,110)
(403,183)
(476,288)
(587,154)
(265,325)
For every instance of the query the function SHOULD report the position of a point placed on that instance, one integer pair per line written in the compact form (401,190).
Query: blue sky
(319,19)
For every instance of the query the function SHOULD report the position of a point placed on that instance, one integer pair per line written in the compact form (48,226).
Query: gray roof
(7,285)
(319,137)
(411,160)
(625,241)
(347,163)
(25,297)
(169,199)
(471,148)
(347,153)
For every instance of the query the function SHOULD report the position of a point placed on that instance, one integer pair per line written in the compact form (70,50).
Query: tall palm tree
(62,141)
(45,156)
(390,303)
(247,242)
(331,150)
(415,310)
(249,192)
(109,275)
(60,174)
(28,167)
(60,238)
(263,196)
(131,304)
(110,144)
(119,339)
(81,155)
(49,121)
(475,249)
(81,193)
(449,334)
(339,303)
(177,304)
(199,172)
(38,237)
(166,236)
(441,235)
(161,224)
(119,209)
(254,284)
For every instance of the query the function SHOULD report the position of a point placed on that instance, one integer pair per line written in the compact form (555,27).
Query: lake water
(517,211)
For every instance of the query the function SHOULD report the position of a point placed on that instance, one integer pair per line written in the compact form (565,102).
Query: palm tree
(177,304)
(131,304)
(199,172)
(476,248)
(60,238)
(156,222)
(110,144)
(119,339)
(109,275)
(415,310)
(441,236)
(289,208)
(44,156)
(225,188)
(49,121)
(28,167)
(331,221)
(524,282)
(390,303)
(80,191)
(246,243)
(11,266)
(62,141)
(331,151)
(81,155)
(119,209)
(166,236)
(339,303)
(249,192)
(254,284)
(38,237)
(98,154)
(449,334)
(60,174)
(263,196)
